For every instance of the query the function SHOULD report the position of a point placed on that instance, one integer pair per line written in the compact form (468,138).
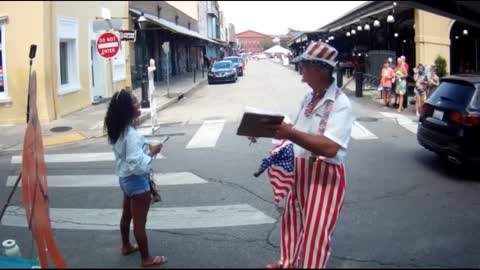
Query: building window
(4,97)
(3,65)
(64,62)
(68,72)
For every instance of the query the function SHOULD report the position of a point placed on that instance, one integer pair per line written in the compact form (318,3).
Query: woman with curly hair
(133,159)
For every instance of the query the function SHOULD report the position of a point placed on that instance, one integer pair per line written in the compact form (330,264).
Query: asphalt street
(404,206)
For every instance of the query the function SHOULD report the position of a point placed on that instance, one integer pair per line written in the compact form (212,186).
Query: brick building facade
(250,41)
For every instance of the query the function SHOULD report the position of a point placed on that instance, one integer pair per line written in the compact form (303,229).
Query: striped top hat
(318,51)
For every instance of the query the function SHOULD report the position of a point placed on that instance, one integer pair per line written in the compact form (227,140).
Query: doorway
(97,68)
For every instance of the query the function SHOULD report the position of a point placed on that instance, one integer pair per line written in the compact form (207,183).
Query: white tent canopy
(278,49)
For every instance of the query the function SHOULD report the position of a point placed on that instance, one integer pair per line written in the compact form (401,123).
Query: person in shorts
(386,82)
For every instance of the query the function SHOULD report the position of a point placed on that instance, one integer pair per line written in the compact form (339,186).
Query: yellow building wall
(86,11)
(35,22)
(432,37)
(25,26)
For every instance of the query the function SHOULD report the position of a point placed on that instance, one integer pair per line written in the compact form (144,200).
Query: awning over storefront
(464,11)
(364,11)
(303,37)
(172,26)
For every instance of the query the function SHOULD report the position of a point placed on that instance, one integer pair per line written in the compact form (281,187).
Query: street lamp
(142,23)
(354,32)
(390,18)
(376,23)
(348,34)
(366,27)
(359,28)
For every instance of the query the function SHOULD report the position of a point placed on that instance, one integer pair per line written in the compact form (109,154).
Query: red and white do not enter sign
(108,45)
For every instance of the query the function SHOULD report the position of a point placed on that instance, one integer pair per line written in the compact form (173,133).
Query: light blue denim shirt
(131,154)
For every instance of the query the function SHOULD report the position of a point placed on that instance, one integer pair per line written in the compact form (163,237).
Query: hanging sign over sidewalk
(127,35)
(108,45)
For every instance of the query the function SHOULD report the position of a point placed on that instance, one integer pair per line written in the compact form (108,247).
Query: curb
(19,146)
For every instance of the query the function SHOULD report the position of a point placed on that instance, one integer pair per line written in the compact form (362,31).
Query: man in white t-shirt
(320,135)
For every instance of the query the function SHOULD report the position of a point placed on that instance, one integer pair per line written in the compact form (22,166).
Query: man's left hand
(282,131)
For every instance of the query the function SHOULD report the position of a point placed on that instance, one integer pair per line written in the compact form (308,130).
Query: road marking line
(110,180)
(207,135)
(360,132)
(403,121)
(165,218)
(76,157)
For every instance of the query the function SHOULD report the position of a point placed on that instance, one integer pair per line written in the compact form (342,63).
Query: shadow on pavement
(439,164)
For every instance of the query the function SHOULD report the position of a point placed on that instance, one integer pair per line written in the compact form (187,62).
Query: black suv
(449,124)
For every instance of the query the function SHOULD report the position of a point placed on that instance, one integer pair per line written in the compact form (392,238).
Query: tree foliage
(441,66)
(267,44)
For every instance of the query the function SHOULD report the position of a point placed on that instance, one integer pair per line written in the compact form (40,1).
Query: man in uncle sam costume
(307,166)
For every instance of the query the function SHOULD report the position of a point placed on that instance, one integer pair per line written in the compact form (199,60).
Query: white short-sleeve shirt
(339,124)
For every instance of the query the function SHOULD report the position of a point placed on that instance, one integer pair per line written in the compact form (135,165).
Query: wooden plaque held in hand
(255,124)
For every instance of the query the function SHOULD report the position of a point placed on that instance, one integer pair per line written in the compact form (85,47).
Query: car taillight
(465,119)
(471,120)
(425,107)
(456,117)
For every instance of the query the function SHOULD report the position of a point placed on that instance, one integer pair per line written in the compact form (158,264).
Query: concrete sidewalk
(88,123)
(374,98)
(370,96)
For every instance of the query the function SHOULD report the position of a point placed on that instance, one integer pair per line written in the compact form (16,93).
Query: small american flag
(279,166)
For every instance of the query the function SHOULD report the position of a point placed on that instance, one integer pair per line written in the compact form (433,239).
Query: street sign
(108,45)
(127,35)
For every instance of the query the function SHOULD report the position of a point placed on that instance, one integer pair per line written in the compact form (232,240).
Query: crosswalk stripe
(403,121)
(110,180)
(76,157)
(207,135)
(158,218)
(360,132)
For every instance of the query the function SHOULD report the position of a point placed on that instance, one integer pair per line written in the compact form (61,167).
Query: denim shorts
(420,91)
(387,89)
(134,184)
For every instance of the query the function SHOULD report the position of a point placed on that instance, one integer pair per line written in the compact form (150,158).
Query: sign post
(108,46)
(166,49)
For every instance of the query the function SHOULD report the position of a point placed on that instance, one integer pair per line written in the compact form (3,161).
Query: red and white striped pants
(311,211)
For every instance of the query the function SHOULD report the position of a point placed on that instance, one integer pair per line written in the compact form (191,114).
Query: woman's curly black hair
(120,115)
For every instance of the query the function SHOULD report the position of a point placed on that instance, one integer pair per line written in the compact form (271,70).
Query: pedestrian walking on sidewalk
(433,81)
(406,67)
(320,136)
(133,159)
(420,88)
(400,82)
(386,82)
(151,91)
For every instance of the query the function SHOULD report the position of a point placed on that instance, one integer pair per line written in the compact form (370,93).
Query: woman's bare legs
(127,248)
